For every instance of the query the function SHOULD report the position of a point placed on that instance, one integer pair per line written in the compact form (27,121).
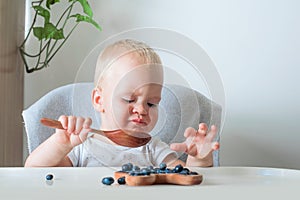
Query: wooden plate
(171,178)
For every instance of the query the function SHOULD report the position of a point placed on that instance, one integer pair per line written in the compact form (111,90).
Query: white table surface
(85,183)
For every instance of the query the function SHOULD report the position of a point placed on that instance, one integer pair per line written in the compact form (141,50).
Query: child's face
(130,94)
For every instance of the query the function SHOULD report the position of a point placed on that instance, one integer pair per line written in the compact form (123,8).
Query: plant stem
(33,22)
(47,47)
(65,22)
(39,57)
(63,42)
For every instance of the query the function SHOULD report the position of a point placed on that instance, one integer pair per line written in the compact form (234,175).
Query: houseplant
(52,36)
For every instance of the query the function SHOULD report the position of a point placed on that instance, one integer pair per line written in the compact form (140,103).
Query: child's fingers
(215,145)
(87,123)
(190,132)
(79,125)
(202,129)
(64,121)
(71,124)
(180,147)
(84,128)
(84,134)
(212,133)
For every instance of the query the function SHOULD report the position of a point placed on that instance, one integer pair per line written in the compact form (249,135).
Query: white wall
(254,45)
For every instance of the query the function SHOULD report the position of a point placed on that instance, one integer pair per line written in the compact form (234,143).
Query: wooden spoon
(120,137)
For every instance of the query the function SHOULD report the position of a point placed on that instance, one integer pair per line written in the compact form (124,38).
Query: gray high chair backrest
(180,107)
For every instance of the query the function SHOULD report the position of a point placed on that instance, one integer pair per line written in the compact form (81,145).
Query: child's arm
(53,152)
(199,145)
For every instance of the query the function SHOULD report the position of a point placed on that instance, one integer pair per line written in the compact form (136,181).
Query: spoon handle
(56,124)
(118,136)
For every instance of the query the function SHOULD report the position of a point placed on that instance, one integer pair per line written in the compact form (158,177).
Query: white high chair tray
(85,183)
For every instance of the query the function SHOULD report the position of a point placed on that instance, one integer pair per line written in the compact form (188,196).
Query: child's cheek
(121,114)
(153,114)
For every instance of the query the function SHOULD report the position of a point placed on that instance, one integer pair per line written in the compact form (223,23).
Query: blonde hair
(121,48)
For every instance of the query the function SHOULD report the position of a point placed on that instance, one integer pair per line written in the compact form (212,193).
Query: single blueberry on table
(49,177)
(108,180)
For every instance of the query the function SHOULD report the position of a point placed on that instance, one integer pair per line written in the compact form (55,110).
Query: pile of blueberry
(162,169)
(133,170)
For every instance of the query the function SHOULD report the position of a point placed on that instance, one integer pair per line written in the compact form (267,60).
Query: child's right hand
(76,130)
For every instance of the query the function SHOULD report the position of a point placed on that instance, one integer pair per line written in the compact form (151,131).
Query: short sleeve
(74,156)
(160,151)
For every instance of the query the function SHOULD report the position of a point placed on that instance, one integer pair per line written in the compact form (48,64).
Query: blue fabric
(180,107)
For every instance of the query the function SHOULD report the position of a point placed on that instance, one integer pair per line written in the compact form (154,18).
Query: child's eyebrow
(128,94)
(155,98)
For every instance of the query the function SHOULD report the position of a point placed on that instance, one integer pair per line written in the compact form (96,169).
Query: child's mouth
(139,121)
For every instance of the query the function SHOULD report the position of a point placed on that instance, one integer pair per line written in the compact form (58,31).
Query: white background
(255,46)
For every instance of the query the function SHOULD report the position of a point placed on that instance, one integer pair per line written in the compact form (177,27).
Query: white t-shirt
(95,153)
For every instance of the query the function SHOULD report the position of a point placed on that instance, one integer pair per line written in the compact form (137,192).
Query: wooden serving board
(172,178)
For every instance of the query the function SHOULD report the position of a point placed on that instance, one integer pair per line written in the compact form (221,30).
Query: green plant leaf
(51,2)
(48,32)
(86,7)
(52,32)
(38,32)
(82,18)
(42,12)
(59,34)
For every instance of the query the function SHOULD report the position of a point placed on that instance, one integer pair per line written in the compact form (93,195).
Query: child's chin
(139,129)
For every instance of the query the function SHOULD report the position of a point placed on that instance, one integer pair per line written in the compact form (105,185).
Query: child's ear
(97,99)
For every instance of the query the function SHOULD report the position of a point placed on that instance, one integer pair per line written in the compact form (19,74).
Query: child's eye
(151,104)
(128,100)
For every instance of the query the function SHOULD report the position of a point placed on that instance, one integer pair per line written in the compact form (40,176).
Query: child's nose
(140,109)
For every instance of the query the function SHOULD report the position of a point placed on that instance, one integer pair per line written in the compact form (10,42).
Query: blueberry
(156,171)
(108,180)
(150,167)
(146,171)
(135,168)
(163,166)
(121,180)
(133,173)
(169,171)
(130,165)
(127,167)
(178,168)
(193,173)
(49,177)
(184,172)
(140,173)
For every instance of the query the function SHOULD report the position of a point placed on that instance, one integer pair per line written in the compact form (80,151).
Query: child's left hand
(199,143)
